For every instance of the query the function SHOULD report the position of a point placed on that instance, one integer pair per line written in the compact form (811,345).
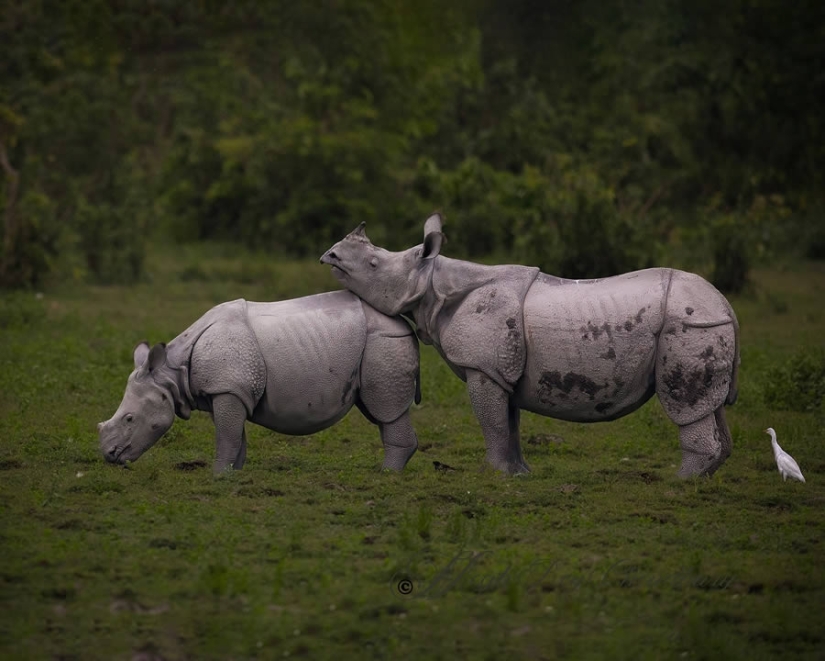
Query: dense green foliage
(588,137)
(798,385)
(600,553)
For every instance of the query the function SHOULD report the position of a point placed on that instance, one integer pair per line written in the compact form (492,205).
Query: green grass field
(600,553)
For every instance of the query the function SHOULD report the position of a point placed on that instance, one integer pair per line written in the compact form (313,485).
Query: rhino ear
(157,357)
(433,237)
(140,353)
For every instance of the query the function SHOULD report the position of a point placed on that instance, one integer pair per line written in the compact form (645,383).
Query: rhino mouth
(332,260)
(338,272)
(114,455)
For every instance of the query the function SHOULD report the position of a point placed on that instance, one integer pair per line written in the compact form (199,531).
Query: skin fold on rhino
(578,350)
(294,366)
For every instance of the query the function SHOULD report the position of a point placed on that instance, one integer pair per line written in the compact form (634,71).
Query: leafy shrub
(798,385)
(569,226)
(111,242)
(731,257)
(30,259)
(20,309)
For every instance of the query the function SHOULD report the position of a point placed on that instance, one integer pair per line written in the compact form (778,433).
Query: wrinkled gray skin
(294,366)
(579,350)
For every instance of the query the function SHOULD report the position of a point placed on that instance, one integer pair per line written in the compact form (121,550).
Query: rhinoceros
(578,350)
(294,366)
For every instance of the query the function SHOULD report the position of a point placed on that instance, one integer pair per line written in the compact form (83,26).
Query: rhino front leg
(229,415)
(499,420)
(400,442)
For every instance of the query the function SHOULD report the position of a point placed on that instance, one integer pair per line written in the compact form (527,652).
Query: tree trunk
(11,227)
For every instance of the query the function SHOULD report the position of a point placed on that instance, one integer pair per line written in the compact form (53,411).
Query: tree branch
(652,200)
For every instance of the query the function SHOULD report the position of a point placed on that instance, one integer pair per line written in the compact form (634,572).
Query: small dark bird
(443,467)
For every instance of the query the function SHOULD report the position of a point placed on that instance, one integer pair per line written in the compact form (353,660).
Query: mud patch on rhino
(551,381)
(596,331)
(689,386)
(689,311)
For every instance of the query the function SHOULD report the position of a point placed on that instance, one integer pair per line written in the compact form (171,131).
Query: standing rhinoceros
(579,350)
(294,366)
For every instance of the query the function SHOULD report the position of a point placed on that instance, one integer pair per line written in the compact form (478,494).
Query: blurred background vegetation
(587,137)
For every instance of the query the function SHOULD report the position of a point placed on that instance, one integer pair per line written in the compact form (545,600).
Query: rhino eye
(129,417)
(374,262)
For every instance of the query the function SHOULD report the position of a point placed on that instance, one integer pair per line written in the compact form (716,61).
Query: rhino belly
(312,347)
(591,346)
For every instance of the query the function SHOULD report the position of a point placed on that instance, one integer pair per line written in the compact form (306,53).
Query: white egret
(785,462)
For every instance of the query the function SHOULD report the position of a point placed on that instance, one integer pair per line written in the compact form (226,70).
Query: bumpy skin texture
(580,350)
(294,366)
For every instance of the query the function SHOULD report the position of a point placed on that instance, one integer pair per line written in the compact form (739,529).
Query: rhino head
(391,282)
(147,410)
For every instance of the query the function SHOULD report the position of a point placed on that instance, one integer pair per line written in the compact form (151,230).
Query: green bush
(30,259)
(798,385)
(568,225)
(111,242)
(20,309)
(731,255)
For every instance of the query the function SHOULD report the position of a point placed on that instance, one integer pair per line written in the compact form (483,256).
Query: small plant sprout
(786,463)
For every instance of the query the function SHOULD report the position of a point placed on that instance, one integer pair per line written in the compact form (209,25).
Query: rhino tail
(733,390)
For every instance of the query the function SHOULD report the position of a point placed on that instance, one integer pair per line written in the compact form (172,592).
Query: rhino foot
(698,466)
(516,467)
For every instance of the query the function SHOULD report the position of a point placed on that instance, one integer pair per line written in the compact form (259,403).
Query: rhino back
(312,347)
(591,344)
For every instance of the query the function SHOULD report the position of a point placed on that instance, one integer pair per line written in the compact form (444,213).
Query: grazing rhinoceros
(579,350)
(294,366)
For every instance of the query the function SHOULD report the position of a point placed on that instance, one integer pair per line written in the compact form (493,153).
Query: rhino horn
(358,232)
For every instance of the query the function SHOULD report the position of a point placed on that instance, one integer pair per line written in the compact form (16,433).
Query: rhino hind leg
(399,440)
(229,416)
(389,374)
(499,420)
(706,444)
(240,460)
